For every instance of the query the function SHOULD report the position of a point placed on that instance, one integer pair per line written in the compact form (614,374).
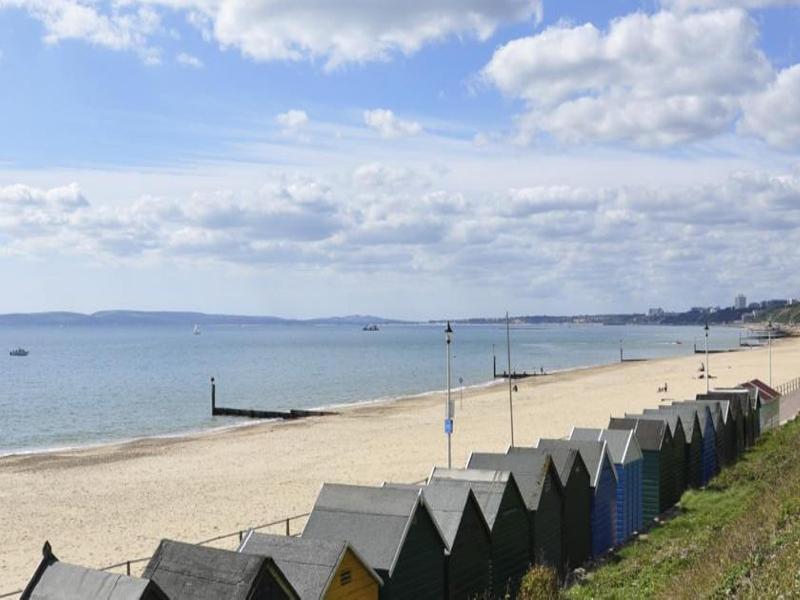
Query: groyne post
(213,397)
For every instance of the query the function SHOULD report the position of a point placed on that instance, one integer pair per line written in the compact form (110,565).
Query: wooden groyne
(251,413)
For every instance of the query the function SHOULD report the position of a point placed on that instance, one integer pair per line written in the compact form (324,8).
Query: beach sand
(109,504)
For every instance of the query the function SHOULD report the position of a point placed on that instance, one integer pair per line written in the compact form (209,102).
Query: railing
(789,386)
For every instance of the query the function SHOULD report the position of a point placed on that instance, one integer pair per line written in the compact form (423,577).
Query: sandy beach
(105,505)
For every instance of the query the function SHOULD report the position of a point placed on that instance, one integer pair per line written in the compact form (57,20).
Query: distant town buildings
(655,312)
(740,302)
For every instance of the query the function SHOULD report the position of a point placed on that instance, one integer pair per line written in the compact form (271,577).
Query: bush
(539,583)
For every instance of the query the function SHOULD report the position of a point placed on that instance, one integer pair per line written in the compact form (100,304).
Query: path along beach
(108,504)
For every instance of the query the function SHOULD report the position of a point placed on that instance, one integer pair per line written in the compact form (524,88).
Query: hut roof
(563,459)
(529,470)
(672,420)
(375,520)
(487,485)
(689,417)
(723,405)
(705,410)
(765,392)
(448,503)
(190,572)
(740,397)
(309,565)
(54,580)
(649,433)
(622,444)
(592,452)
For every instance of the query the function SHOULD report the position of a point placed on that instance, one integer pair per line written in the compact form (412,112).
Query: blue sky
(428,158)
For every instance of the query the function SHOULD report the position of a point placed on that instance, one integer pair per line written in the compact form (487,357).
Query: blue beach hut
(604,488)
(628,462)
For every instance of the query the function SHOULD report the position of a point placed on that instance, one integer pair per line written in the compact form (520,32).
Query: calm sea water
(86,385)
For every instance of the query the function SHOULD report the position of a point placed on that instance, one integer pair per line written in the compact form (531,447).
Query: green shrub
(539,583)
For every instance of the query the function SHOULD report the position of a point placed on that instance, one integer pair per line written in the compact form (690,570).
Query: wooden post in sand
(213,397)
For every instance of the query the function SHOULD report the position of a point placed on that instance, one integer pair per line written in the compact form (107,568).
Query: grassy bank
(738,537)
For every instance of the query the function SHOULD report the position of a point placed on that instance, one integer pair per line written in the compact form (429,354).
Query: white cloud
(352,31)
(710,4)
(292,120)
(189,60)
(774,114)
(117,25)
(388,125)
(651,80)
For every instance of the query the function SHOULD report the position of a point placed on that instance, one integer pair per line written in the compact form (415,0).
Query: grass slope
(738,537)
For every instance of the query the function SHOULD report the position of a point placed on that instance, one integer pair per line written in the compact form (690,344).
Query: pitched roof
(563,459)
(530,471)
(687,415)
(489,487)
(705,409)
(448,503)
(739,396)
(724,404)
(309,565)
(593,454)
(766,393)
(375,520)
(55,580)
(672,420)
(649,433)
(190,572)
(622,444)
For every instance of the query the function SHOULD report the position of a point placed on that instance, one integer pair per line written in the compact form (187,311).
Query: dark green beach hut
(694,441)
(540,485)
(468,561)
(189,572)
(679,453)
(745,398)
(392,529)
(658,469)
(576,539)
(506,515)
(54,580)
(737,416)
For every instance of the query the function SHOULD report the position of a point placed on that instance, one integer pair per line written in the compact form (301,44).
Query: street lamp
(769,337)
(708,369)
(510,399)
(448,416)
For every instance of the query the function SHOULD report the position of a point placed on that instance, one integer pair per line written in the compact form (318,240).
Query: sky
(416,159)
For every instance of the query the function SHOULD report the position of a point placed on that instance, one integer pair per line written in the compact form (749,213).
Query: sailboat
(196,330)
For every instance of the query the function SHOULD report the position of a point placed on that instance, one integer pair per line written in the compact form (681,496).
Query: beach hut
(711,411)
(468,559)
(756,405)
(54,580)
(737,414)
(541,490)
(628,459)
(658,466)
(190,572)
(603,481)
(678,444)
(391,528)
(317,569)
(770,412)
(576,538)
(744,398)
(694,442)
(504,510)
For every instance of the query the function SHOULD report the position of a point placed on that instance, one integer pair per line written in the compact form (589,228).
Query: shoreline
(106,504)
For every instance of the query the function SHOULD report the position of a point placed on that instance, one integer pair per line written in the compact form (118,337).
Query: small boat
(196,330)
(18,352)
(370,327)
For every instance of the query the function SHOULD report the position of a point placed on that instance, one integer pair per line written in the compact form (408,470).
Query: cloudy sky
(411,159)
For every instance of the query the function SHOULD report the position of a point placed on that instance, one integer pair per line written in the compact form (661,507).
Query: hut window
(345,577)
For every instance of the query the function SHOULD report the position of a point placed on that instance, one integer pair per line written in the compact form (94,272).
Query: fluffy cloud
(265,30)
(774,114)
(651,80)
(189,60)
(610,242)
(709,4)
(116,25)
(292,119)
(388,125)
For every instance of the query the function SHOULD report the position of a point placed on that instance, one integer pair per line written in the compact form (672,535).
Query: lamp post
(448,418)
(769,337)
(510,400)
(708,370)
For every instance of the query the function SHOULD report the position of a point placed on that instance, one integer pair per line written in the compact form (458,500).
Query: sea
(89,385)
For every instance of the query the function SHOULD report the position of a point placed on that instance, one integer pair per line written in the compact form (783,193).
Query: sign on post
(448,425)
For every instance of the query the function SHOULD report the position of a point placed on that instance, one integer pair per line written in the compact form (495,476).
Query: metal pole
(448,416)
(510,400)
(708,368)
(769,334)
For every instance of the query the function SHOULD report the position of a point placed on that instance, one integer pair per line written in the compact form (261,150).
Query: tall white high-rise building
(740,302)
